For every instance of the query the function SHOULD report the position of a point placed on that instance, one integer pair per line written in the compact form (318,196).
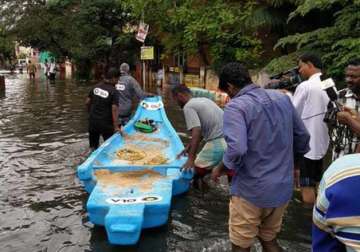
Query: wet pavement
(43,136)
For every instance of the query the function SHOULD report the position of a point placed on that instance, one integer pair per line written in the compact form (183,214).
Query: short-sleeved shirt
(128,88)
(311,102)
(102,96)
(336,214)
(204,113)
(350,100)
(52,68)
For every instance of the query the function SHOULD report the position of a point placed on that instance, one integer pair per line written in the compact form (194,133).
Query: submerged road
(43,133)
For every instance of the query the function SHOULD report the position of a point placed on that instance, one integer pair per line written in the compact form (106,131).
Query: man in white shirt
(311,101)
(52,70)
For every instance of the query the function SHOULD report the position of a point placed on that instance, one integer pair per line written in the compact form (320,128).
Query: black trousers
(97,129)
(51,76)
(310,172)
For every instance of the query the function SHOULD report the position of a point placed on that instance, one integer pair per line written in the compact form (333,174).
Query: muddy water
(43,136)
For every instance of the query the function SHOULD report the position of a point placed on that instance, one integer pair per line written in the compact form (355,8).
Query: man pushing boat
(204,119)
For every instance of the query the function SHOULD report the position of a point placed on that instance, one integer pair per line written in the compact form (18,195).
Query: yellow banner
(147,53)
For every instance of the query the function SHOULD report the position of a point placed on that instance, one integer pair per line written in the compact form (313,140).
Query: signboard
(142,32)
(147,53)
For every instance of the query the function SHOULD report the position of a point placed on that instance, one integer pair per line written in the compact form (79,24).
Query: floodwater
(43,137)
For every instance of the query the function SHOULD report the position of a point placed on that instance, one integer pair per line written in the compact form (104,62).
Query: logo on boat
(126,201)
(152,105)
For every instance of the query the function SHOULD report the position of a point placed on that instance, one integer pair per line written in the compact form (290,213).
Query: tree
(7,47)
(215,30)
(86,31)
(337,41)
(219,31)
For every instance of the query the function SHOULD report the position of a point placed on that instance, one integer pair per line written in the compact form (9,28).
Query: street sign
(142,32)
(147,53)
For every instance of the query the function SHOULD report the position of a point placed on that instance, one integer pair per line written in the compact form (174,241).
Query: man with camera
(336,215)
(311,101)
(351,107)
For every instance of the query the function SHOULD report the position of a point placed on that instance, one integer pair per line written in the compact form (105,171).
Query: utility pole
(143,61)
(144,73)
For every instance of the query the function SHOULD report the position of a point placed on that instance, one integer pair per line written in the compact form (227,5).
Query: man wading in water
(204,119)
(263,132)
(31,70)
(102,104)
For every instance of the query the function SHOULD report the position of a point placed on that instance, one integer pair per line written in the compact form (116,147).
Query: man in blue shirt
(263,133)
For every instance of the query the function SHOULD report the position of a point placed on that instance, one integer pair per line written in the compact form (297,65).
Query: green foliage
(309,5)
(282,63)
(280,3)
(88,31)
(216,30)
(338,42)
(7,46)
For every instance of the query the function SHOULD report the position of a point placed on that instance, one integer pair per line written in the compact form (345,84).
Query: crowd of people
(49,69)
(267,142)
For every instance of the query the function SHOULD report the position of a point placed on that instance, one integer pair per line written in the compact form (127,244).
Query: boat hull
(135,196)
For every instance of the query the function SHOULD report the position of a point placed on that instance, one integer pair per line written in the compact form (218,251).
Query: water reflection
(43,132)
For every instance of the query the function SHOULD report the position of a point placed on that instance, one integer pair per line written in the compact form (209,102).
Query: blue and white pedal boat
(134,196)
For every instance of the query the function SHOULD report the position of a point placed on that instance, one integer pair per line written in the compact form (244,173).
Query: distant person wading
(31,70)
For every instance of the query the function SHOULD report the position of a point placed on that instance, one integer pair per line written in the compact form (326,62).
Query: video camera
(289,80)
(328,85)
(341,136)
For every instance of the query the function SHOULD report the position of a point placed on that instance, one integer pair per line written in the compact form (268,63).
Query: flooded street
(43,135)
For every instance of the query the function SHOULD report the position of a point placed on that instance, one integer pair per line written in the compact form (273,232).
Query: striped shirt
(336,215)
(346,145)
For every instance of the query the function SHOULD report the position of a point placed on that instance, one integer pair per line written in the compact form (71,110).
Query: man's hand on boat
(184,152)
(118,129)
(190,164)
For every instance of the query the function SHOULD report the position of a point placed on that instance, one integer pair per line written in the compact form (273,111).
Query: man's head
(112,76)
(309,64)
(29,61)
(233,77)
(181,94)
(124,68)
(352,75)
